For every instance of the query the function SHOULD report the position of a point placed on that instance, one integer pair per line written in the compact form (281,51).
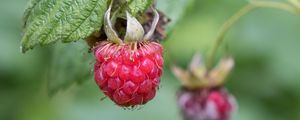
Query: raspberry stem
(296,4)
(242,12)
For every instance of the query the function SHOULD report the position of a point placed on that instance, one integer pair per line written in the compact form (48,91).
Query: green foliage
(174,9)
(47,21)
(265,79)
(71,63)
(136,6)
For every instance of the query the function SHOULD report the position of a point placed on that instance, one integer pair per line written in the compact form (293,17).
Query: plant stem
(231,21)
(296,4)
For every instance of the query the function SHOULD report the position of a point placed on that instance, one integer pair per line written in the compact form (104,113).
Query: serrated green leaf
(29,10)
(137,6)
(174,9)
(47,21)
(71,63)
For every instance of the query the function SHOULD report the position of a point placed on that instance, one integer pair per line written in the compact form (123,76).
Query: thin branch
(242,12)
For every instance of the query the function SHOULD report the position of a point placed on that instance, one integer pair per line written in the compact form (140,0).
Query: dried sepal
(181,74)
(198,76)
(220,72)
(108,27)
(187,78)
(160,29)
(134,31)
(153,25)
(196,62)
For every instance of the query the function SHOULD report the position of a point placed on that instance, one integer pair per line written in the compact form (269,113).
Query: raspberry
(203,104)
(128,74)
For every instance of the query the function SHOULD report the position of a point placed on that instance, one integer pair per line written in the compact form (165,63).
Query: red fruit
(203,104)
(128,75)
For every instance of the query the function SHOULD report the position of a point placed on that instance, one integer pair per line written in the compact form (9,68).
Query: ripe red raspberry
(203,104)
(128,74)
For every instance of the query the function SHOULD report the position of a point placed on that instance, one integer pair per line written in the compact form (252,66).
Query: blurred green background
(265,81)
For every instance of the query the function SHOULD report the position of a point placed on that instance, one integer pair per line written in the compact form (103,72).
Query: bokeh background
(265,81)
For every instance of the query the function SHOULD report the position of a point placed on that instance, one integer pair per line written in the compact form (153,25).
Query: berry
(128,73)
(206,104)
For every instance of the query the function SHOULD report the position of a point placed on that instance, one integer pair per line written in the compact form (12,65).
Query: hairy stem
(232,20)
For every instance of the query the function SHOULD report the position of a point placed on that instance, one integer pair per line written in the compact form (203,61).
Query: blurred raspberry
(206,104)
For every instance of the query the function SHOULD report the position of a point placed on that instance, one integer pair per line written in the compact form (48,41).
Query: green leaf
(174,9)
(27,12)
(71,63)
(47,21)
(137,6)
